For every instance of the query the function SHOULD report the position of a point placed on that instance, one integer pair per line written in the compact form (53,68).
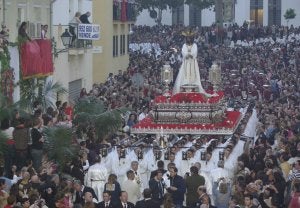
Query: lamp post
(66,39)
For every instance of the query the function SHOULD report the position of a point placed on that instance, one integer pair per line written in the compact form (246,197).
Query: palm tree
(59,145)
(91,111)
(39,90)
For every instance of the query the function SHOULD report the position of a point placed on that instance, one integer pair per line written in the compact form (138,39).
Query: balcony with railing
(73,38)
(124,10)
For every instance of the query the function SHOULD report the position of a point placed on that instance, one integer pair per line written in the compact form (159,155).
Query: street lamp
(66,38)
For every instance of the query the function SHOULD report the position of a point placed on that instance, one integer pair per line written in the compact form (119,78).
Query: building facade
(112,48)
(73,67)
(260,12)
(34,12)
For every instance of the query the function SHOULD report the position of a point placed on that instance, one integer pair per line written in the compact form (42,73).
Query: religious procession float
(188,108)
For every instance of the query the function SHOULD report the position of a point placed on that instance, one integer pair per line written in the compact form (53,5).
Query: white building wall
(61,14)
(144,18)
(208,17)
(287,4)
(68,67)
(85,6)
(266,13)
(242,11)
(186,17)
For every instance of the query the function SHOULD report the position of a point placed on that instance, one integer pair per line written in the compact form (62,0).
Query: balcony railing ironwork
(78,43)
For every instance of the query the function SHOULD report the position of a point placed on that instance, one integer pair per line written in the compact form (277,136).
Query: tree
(201,4)
(160,5)
(289,14)
(93,112)
(60,146)
(39,90)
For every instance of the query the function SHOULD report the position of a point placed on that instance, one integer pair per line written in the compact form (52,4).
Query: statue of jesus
(189,75)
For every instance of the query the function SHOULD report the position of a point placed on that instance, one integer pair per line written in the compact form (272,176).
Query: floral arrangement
(189,98)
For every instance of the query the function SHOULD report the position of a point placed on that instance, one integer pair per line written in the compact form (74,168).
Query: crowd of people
(260,170)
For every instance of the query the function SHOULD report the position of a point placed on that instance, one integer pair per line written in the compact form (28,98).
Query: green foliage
(91,111)
(49,93)
(151,5)
(201,4)
(28,94)
(289,14)
(46,93)
(164,4)
(6,109)
(59,145)
(4,58)
(3,145)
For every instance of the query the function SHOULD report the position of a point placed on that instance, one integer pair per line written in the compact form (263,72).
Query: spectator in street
(157,185)
(192,184)
(177,187)
(37,144)
(113,188)
(147,202)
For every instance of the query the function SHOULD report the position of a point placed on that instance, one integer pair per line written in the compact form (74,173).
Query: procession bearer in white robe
(96,177)
(120,166)
(188,163)
(141,172)
(151,161)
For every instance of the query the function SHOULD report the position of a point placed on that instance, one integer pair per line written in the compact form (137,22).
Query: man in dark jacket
(147,202)
(21,137)
(124,203)
(80,190)
(177,187)
(106,203)
(85,18)
(192,184)
(160,167)
(156,185)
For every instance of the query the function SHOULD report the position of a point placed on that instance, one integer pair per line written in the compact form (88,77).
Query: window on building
(74,89)
(178,15)
(122,45)
(37,13)
(115,45)
(128,38)
(274,14)
(256,11)
(21,14)
(195,16)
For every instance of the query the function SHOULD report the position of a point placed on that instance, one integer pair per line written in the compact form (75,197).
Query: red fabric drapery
(123,11)
(36,58)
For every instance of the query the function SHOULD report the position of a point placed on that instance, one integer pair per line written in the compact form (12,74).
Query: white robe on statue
(189,71)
